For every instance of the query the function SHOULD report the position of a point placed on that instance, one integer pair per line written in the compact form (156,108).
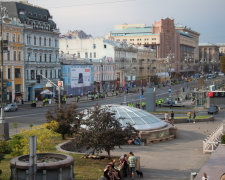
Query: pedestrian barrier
(213,140)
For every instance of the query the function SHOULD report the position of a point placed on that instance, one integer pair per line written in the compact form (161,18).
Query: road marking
(24,115)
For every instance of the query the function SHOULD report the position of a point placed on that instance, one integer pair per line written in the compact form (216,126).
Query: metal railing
(212,141)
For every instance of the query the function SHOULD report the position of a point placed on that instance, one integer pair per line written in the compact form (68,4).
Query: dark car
(10,107)
(213,110)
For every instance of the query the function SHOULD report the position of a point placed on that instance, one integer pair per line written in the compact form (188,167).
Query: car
(10,107)
(213,110)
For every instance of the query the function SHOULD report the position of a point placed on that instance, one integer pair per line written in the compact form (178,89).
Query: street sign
(140,96)
(60,83)
(170,90)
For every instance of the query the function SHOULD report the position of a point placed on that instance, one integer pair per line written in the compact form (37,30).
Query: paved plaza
(176,159)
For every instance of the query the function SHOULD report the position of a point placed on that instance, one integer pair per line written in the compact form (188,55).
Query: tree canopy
(222,64)
(68,119)
(103,131)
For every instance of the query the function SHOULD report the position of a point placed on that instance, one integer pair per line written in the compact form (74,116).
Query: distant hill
(76,34)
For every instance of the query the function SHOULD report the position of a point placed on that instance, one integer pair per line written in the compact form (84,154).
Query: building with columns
(41,46)
(209,57)
(177,43)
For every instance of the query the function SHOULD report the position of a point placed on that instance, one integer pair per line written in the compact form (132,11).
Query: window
(44,41)
(40,57)
(18,37)
(27,74)
(8,55)
(94,46)
(17,73)
(94,54)
(45,57)
(59,73)
(35,39)
(50,57)
(19,58)
(78,55)
(39,41)
(90,55)
(14,55)
(18,88)
(105,46)
(50,42)
(32,73)
(56,43)
(9,73)
(46,73)
(51,74)
(86,55)
(7,36)
(28,56)
(35,56)
(41,73)
(14,37)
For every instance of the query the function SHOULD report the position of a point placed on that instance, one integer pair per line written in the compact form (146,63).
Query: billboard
(80,76)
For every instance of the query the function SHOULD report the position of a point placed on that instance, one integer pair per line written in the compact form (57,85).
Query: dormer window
(29,14)
(21,12)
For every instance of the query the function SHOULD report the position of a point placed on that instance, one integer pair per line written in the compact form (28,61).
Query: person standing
(132,164)
(194,116)
(166,117)
(189,116)
(172,118)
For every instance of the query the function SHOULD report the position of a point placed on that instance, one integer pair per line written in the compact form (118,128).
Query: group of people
(193,115)
(171,120)
(127,164)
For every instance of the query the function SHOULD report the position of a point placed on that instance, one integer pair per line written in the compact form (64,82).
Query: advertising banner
(80,76)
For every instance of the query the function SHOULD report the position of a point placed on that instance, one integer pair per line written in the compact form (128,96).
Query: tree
(1,158)
(104,131)
(222,64)
(68,119)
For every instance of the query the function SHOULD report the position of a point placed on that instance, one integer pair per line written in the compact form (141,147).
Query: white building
(123,55)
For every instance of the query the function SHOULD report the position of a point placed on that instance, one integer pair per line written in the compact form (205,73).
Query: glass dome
(140,119)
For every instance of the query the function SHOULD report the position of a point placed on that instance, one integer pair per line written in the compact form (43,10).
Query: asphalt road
(26,115)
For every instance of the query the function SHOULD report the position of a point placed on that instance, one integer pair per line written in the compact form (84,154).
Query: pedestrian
(194,116)
(205,177)
(142,91)
(132,164)
(172,118)
(189,116)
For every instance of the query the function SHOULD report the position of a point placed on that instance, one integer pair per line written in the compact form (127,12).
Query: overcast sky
(98,17)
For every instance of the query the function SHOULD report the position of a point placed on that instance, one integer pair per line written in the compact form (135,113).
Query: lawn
(84,169)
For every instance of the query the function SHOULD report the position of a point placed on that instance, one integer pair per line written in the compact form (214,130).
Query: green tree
(1,158)
(68,119)
(222,64)
(103,131)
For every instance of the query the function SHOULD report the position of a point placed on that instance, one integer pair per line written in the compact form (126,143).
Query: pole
(59,97)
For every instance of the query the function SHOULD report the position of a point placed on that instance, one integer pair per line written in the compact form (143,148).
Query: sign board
(170,90)
(80,76)
(60,83)
(140,96)
(216,94)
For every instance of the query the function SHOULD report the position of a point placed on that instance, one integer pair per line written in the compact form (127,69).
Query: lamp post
(4,126)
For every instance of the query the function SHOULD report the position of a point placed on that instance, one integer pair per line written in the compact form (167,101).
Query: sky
(98,17)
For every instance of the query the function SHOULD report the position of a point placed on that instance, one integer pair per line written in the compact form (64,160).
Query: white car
(10,107)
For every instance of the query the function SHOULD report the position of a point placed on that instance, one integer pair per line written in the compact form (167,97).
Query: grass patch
(163,112)
(197,117)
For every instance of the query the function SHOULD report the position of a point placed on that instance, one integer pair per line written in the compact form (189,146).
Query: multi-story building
(175,43)
(209,57)
(124,56)
(13,61)
(41,45)
(145,69)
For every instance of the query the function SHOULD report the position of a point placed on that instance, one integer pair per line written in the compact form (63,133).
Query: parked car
(213,110)
(11,107)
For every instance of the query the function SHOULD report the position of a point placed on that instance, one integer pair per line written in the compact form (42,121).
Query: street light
(4,126)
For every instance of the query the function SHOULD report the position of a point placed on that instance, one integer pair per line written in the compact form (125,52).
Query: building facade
(209,57)
(13,62)
(41,46)
(175,43)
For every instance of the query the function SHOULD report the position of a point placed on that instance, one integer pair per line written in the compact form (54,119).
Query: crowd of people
(126,166)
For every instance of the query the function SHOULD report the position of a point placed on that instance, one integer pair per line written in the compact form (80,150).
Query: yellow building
(13,61)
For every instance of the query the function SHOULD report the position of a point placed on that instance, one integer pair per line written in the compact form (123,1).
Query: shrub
(4,147)
(16,145)
(223,139)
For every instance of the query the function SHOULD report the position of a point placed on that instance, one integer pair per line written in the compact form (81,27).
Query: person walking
(166,116)
(194,116)
(132,164)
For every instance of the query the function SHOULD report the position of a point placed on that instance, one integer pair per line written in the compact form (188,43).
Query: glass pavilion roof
(140,119)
